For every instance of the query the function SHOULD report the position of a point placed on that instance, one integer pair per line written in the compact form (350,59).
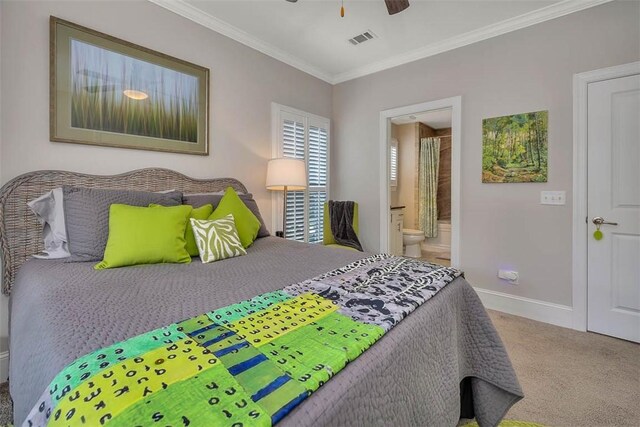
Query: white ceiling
(437,119)
(311,35)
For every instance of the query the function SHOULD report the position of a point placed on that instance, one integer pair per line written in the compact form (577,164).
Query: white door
(614,196)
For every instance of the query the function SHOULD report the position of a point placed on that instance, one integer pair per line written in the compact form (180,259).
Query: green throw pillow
(139,235)
(217,239)
(203,212)
(246,222)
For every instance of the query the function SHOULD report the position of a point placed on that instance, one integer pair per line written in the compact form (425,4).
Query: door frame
(455,103)
(581,83)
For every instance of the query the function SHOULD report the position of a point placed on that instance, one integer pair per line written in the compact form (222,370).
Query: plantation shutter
(306,137)
(293,137)
(393,164)
(293,145)
(295,216)
(317,171)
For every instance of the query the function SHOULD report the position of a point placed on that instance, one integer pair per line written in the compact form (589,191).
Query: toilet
(411,239)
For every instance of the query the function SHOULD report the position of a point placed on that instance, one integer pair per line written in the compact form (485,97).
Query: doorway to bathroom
(420,181)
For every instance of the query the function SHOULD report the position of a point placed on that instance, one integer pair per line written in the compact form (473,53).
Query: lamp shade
(286,172)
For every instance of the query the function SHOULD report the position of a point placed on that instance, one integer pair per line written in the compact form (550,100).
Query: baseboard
(542,311)
(4,366)
(435,248)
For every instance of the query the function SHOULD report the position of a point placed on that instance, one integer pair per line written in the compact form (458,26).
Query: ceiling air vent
(361,38)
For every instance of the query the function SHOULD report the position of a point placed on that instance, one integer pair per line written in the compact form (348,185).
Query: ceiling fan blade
(292,1)
(395,6)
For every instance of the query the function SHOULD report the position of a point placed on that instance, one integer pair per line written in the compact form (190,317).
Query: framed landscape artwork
(514,148)
(106,91)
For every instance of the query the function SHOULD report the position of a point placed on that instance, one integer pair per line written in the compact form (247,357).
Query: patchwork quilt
(249,363)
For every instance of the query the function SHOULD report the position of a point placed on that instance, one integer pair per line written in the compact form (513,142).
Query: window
(393,164)
(303,136)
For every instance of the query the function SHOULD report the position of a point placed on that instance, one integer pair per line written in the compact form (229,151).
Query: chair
(327,235)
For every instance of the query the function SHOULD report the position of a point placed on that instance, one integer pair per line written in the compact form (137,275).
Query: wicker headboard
(20,232)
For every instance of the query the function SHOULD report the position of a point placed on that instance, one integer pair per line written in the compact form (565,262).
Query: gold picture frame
(110,92)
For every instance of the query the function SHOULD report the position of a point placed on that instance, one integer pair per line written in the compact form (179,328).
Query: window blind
(295,216)
(317,164)
(304,136)
(393,164)
(293,145)
(293,139)
(316,211)
(317,170)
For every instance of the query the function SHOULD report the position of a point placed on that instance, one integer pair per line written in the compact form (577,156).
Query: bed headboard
(20,231)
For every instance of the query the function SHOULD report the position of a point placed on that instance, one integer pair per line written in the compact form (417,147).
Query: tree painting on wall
(514,148)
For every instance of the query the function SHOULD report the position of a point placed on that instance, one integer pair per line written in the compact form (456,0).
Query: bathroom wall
(406,193)
(394,195)
(444,174)
(407,135)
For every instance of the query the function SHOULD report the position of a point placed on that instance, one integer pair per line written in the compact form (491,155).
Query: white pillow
(49,210)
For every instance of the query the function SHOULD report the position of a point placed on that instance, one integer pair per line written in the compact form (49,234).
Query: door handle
(598,220)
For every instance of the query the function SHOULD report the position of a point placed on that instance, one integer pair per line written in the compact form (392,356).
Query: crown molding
(547,13)
(196,15)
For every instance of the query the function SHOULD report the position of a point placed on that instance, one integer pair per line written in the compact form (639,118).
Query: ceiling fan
(393,6)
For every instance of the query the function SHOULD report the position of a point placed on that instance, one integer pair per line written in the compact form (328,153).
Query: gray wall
(503,225)
(243,82)
(4,301)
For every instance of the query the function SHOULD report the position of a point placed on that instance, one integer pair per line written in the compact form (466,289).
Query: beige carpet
(569,378)
(6,408)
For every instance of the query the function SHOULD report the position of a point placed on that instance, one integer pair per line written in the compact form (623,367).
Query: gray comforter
(443,361)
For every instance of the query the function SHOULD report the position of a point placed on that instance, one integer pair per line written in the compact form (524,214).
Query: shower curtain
(429,161)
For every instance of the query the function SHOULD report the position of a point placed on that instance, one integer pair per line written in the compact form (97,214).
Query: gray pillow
(86,212)
(197,200)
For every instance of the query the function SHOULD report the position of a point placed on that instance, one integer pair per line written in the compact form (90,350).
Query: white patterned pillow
(217,239)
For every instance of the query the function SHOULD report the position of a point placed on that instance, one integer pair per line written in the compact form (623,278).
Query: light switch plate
(553,197)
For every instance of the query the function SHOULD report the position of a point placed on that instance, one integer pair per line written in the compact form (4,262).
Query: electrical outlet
(508,275)
(553,197)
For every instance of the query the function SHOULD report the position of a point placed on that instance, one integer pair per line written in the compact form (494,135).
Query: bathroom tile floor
(437,258)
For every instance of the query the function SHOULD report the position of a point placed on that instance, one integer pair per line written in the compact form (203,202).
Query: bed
(443,362)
